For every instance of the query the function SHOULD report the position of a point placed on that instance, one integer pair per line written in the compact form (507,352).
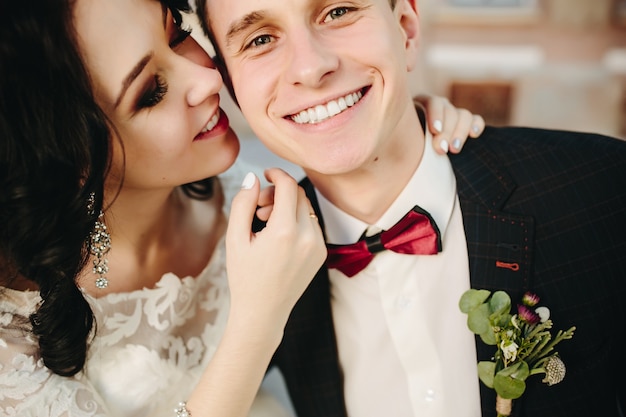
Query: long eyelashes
(155,94)
(156,91)
(181,35)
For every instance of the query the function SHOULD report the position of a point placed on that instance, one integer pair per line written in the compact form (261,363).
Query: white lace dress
(150,348)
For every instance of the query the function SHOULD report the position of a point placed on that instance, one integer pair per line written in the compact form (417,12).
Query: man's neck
(368,192)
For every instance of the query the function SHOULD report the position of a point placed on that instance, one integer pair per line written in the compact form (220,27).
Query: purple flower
(529,299)
(527,315)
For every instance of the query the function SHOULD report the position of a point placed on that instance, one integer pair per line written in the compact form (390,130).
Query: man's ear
(406,11)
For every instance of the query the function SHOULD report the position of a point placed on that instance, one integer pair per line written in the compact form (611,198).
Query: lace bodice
(149,351)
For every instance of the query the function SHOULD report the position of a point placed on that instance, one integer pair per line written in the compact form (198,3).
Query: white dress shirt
(404,347)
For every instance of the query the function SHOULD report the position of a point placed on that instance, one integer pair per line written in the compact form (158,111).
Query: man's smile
(332,108)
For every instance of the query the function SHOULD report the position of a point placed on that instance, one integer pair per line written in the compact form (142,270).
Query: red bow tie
(416,233)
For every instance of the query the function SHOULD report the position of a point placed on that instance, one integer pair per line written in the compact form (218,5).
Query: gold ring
(313,216)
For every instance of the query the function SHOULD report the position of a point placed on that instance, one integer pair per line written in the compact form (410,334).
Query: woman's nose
(199,72)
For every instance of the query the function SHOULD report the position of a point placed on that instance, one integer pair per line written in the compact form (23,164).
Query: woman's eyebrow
(132,75)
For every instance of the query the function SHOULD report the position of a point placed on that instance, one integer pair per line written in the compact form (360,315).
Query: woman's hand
(267,273)
(450,126)
(269,270)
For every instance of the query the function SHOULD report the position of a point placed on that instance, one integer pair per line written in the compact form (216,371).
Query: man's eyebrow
(242,24)
(132,75)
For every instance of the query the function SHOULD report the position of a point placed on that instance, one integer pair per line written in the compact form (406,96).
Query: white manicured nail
(444,145)
(456,143)
(248,181)
(438,125)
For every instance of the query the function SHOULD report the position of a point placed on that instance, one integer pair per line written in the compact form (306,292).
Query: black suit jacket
(554,204)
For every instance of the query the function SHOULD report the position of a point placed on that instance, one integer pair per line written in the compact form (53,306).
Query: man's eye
(335,14)
(154,95)
(261,40)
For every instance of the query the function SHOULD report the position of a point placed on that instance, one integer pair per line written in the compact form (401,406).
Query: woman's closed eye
(154,94)
(180,35)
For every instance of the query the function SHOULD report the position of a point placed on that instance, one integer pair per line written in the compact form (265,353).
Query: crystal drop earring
(99,246)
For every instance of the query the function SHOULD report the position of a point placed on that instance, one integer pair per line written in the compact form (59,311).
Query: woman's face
(159,89)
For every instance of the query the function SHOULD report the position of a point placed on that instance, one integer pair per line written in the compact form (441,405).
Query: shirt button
(430,395)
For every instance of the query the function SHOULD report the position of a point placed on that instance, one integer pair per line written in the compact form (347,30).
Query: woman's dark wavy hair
(54,153)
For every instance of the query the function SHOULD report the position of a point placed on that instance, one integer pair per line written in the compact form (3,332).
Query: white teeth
(342,104)
(333,108)
(212,122)
(322,112)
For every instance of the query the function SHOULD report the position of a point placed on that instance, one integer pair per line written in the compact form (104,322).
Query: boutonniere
(524,343)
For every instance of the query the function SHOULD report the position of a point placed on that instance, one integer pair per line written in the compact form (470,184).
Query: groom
(324,85)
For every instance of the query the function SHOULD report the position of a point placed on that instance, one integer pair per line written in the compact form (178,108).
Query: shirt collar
(432,187)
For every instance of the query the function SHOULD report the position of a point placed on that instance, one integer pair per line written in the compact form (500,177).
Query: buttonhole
(511,246)
(512,266)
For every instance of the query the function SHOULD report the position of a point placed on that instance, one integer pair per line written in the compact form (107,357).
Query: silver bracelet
(181,410)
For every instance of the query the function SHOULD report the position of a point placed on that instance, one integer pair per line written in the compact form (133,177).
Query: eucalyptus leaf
(488,337)
(519,371)
(472,298)
(503,321)
(478,319)
(508,387)
(500,303)
(486,372)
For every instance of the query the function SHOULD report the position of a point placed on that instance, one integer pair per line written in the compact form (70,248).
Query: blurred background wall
(544,63)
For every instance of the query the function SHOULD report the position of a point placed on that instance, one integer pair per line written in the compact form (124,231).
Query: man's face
(323,83)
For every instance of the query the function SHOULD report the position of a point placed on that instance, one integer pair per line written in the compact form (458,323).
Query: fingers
(305,210)
(468,125)
(445,138)
(285,196)
(434,106)
(282,258)
(265,203)
(478,126)
(450,126)
(242,210)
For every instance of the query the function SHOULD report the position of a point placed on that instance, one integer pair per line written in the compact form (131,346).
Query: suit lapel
(500,244)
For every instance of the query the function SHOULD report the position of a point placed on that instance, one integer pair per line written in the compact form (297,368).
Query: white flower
(543,313)
(509,350)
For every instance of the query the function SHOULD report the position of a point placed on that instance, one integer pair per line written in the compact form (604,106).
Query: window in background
(492,100)
(619,13)
(488,12)
(491,3)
